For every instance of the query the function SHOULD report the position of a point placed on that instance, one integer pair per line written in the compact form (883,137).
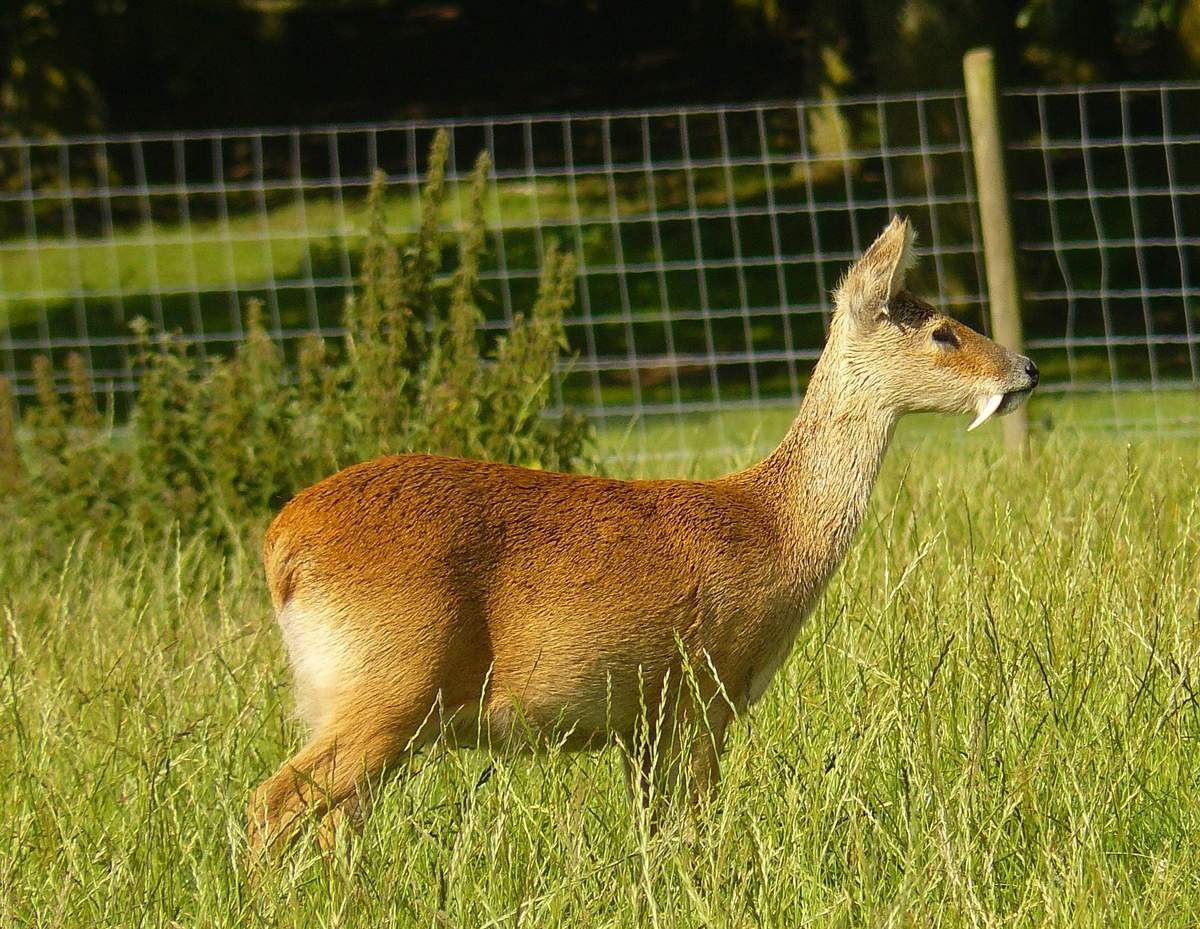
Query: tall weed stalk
(219,444)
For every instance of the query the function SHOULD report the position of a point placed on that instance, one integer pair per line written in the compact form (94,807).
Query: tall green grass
(990,720)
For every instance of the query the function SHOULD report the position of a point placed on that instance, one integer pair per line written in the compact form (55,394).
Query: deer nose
(1032,371)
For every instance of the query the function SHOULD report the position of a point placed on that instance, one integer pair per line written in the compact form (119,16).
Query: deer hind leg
(676,758)
(327,781)
(704,757)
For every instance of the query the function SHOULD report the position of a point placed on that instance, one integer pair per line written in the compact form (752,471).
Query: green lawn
(253,245)
(210,253)
(696,444)
(990,720)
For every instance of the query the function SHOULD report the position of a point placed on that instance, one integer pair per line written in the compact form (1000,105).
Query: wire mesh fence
(707,239)
(1108,204)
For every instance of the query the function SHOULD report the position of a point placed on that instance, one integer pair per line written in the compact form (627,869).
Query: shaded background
(112,65)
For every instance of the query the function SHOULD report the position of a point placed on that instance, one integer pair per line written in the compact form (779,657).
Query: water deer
(423,597)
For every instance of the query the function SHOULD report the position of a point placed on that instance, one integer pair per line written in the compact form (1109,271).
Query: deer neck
(821,476)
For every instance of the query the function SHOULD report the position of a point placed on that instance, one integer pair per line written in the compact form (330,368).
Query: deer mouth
(1012,400)
(998,404)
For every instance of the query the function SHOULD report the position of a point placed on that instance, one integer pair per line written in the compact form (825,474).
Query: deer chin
(1002,403)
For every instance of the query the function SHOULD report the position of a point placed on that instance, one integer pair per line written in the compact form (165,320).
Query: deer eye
(944,337)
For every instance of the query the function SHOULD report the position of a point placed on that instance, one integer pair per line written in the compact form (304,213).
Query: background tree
(142,64)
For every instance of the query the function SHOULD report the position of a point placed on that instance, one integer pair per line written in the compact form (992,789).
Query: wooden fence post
(979,74)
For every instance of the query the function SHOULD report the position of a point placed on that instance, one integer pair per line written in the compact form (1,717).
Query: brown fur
(501,606)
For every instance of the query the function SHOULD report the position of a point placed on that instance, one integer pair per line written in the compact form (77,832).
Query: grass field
(698,445)
(990,720)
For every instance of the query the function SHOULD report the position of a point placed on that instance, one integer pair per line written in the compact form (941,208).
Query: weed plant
(216,446)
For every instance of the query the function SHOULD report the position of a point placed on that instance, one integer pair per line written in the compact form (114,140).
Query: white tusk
(987,406)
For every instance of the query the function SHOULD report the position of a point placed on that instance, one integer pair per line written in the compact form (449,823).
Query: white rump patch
(320,660)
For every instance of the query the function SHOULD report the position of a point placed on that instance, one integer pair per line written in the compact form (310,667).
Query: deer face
(911,357)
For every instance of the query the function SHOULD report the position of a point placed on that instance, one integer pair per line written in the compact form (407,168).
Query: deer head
(906,354)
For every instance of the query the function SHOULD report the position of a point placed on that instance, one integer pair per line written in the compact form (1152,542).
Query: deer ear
(873,280)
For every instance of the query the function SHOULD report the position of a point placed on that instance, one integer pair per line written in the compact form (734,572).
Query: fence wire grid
(707,239)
